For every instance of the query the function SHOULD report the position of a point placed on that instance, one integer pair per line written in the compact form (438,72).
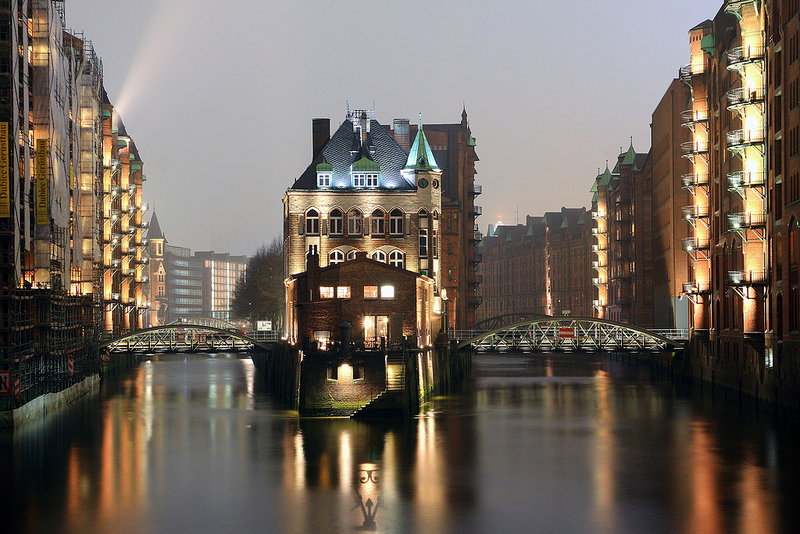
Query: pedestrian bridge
(585,334)
(186,337)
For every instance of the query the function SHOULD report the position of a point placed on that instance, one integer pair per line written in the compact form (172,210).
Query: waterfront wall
(740,369)
(40,406)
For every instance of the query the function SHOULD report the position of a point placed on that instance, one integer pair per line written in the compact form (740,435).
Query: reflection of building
(185,285)
(541,267)
(379,300)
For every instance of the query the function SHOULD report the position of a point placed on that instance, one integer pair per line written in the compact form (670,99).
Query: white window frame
(336,222)
(359,179)
(353,221)
(373,179)
(397,259)
(323,179)
(396,222)
(378,223)
(379,255)
(336,256)
(312,222)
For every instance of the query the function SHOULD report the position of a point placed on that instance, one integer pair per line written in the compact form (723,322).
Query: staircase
(389,403)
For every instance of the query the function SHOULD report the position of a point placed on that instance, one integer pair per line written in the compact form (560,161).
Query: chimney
(402,133)
(364,121)
(322,134)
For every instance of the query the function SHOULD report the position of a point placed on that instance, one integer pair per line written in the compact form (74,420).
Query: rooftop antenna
(516,214)
(373,105)
(420,119)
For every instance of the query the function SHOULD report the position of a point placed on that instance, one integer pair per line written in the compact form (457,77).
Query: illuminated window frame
(323,179)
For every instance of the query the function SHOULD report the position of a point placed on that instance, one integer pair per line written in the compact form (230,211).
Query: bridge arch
(183,337)
(570,333)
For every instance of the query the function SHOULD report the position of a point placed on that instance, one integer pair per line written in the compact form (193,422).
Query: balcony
(690,149)
(621,254)
(696,287)
(740,180)
(744,55)
(599,281)
(115,215)
(477,301)
(748,278)
(598,215)
(598,231)
(476,190)
(478,257)
(745,96)
(477,280)
(741,139)
(113,264)
(694,179)
(691,244)
(599,248)
(692,213)
(690,117)
(746,221)
(597,265)
(686,72)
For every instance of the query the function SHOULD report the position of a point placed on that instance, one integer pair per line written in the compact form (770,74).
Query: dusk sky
(219,95)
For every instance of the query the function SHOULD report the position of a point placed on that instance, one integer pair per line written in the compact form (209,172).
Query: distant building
(188,286)
(542,267)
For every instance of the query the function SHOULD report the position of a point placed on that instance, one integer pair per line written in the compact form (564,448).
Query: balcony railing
(744,96)
(597,265)
(694,179)
(746,220)
(693,148)
(744,54)
(477,210)
(741,179)
(598,281)
(693,116)
(686,72)
(690,244)
(697,287)
(748,278)
(476,189)
(478,257)
(694,212)
(599,248)
(742,138)
(598,215)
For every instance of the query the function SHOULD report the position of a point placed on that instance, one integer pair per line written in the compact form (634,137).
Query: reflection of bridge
(185,337)
(547,333)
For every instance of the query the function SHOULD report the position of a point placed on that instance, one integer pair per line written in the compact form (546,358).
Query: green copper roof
(582,218)
(616,168)
(594,198)
(630,156)
(324,167)
(472,141)
(530,232)
(421,156)
(594,185)
(136,166)
(605,178)
(106,113)
(544,220)
(707,44)
(365,164)
(565,224)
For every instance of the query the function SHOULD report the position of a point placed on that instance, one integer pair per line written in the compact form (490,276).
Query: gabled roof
(345,149)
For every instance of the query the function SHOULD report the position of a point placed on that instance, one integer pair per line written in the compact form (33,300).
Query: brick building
(379,301)
(623,254)
(541,267)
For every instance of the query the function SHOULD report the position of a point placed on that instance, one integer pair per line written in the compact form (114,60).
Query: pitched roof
(420,158)
(345,149)
(154,232)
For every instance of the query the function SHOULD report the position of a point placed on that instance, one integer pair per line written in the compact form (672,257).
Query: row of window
(395,258)
(354,221)
(343,292)
(357,179)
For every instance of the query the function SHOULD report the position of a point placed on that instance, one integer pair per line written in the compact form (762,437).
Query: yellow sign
(42,204)
(5,179)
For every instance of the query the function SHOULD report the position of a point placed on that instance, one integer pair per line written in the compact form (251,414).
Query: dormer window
(323,179)
(372,180)
(359,179)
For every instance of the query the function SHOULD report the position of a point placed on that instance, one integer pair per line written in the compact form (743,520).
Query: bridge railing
(677,334)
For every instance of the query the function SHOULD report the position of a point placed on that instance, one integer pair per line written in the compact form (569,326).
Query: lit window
(312,222)
(387,292)
(336,218)
(378,224)
(343,292)
(325,292)
(370,292)
(396,222)
(396,259)
(372,180)
(359,179)
(423,242)
(337,256)
(354,221)
(379,255)
(323,179)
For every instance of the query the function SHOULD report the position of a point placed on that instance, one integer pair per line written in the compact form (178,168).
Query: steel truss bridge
(184,337)
(585,334)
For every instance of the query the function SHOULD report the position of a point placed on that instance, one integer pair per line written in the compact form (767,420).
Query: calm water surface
(561,443)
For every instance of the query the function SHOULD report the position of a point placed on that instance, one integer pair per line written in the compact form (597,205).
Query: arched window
(379,255)
(396,222)
(354,220)
(423,233)
(396,259)
(351,255)
(336,219)
(312,222)
(378,224)
(337,256)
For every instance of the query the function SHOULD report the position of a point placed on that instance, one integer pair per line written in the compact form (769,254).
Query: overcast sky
(219,96)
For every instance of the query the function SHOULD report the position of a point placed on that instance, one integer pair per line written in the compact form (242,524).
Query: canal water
(535,443)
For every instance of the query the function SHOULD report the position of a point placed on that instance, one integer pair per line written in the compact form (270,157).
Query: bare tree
(259,293)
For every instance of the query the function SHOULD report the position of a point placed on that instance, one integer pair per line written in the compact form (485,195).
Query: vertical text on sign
(42,203)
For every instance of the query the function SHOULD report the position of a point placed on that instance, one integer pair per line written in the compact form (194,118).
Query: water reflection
(554,443)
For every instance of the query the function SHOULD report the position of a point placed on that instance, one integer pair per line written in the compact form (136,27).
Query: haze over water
(561,443)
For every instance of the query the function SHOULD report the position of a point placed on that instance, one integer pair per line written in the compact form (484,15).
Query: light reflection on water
(536,443)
